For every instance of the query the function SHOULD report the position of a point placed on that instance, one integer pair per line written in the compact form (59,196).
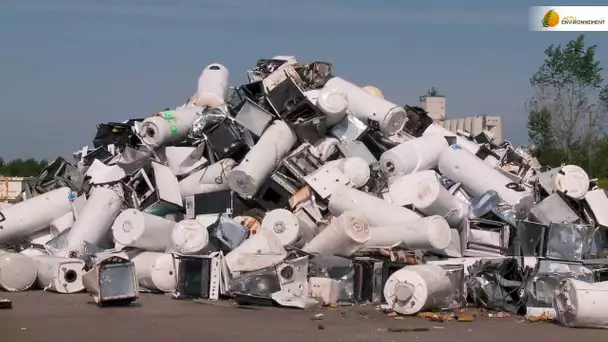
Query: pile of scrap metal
(302,189)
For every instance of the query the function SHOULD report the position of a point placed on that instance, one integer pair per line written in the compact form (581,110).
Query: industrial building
(435,104)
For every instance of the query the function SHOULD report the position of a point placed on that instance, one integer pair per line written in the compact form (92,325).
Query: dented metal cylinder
(416,288)
(210,179)
(287,227)
(364,106)
(155,271)
(431,198)
(477,177)
(168,127)
(17,272)
(414,155)
(189,237)
(579,304)
(431,232)
(213,86)
(94,222)
(247,178)
(35,214)
(334,104)
(355,169)
(133,228)
(62,275)
(375,210)
(345,235)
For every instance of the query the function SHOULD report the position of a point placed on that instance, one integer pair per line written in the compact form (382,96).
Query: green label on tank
(171,120)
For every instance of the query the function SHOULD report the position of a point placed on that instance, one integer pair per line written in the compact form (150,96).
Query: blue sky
(66,66)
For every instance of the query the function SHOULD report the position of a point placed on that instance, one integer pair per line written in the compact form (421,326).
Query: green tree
(567,113)
(22,167)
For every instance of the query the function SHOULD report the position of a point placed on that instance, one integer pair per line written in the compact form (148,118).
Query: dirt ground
(49,317)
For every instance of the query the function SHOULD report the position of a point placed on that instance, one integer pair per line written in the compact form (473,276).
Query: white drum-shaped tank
(61,223)
(414,155)
(334,104)
(213,86)
(287,227)
(431,198)
(18,272)
(133,228)
(432,232)
(207,180)
(463,142)
(265,244)
(401,188)
(189,237)
(573,181)
(168,127)
(95,220)
(62,275)
(344,235)
(364,106)
(579,304)
(355,169)
(376,211)
(261,160)
(477,177)
(155,271)
(31,216)
(416,288)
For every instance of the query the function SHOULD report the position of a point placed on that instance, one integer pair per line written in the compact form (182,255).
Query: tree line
(22,167)
(568,110)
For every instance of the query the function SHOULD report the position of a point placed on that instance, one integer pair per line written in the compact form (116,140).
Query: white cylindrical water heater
(463,142)
(401,188)
(287,227)
(375,210)
(94,222)
(133,228)
(18,272)
(364,106)
(189,237)
(63,275)
(210,179)
(334,104)
(155,271)
(165,128)
(573,181)
(61,223)
(213,86)
(35,214)
(355,169)
(33,252)
(262,159)
(431,198)
(265,243)
(344,235)
(414,155)
(579,304)
(416,288)
(477,177)
(432,232)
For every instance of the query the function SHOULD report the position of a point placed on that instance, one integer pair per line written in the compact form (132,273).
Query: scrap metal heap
(302,189)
